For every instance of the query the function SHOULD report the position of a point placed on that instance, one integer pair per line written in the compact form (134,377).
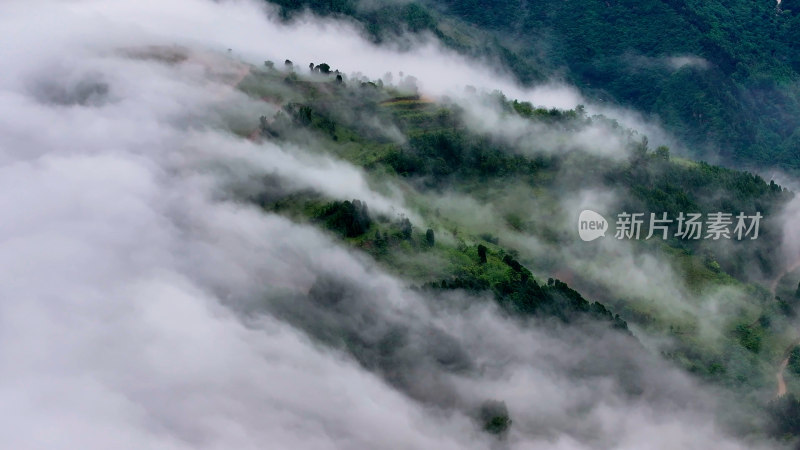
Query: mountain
(403,225)
(721,76)
(494,185)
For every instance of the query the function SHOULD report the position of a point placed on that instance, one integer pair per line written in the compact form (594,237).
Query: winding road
(785,362)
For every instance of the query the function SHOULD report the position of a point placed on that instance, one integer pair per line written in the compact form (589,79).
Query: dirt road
(781,382)
(785,362)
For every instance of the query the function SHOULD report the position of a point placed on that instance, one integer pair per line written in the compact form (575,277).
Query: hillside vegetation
(488,214)
(722,76)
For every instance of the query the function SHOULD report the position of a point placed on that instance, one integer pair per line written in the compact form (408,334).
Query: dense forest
(442,154)
(722,76)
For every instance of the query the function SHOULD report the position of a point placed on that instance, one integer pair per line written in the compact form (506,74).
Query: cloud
(679,62)
(483,114)
(144,306)
(667,62)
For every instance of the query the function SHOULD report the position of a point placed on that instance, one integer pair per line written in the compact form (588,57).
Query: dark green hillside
(427,150)
(723,76)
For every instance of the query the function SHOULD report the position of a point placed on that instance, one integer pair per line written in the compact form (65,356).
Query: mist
(146,305)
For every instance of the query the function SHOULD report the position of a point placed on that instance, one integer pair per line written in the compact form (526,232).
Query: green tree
(429,237)
(323,68)
(482,253)
(349,218)
(495,418)
(405,228)
(662,152)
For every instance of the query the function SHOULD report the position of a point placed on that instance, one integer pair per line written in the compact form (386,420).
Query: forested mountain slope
(235,224)
(491,211)
(722,76)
